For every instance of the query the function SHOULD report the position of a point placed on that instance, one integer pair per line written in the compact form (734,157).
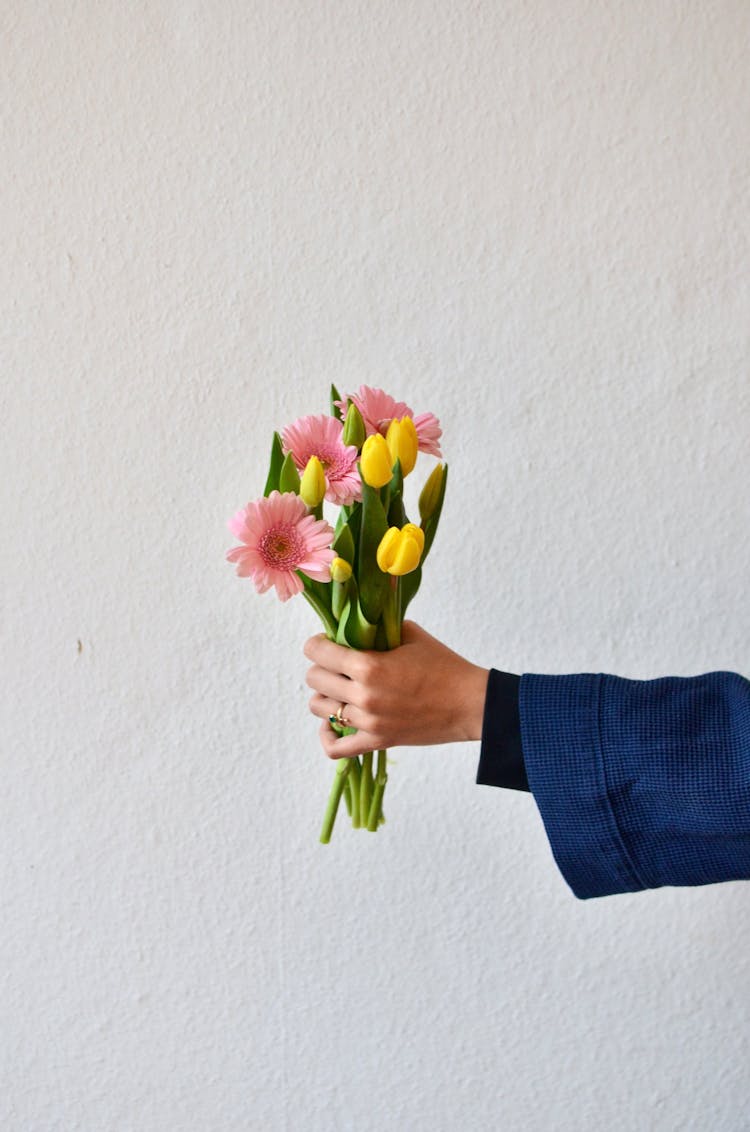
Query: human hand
(419,693)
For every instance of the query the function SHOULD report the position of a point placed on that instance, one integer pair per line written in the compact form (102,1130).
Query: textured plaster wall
(530,218)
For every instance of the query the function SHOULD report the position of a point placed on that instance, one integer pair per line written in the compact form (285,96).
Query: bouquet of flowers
(360,574)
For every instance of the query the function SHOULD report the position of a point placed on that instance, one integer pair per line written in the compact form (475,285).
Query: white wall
(530,218)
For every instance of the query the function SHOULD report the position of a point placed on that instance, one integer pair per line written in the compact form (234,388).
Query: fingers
(331,685)
(345,746)
(324,708)
(335,658)
(373,688)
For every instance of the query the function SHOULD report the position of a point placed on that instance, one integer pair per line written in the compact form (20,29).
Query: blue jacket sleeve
(640,783)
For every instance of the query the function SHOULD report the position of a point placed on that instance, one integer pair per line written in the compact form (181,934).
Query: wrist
(473,699)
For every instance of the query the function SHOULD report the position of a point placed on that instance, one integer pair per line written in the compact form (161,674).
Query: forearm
(640,783)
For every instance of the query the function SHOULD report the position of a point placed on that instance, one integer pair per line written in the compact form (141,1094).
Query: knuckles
(368,666)
(368,700)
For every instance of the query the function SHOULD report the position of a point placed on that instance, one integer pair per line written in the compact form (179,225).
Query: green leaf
(289,476)
(318,594)
(409,585)
(354,628)
(397,483)
(394,487)
(341,631)
(274,470)
(396,511)
(354,523)
(335,411)
(343,544)
(373,583)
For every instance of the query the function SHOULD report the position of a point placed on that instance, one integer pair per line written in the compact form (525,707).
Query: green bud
(430,496)
(354,427)
(289,476)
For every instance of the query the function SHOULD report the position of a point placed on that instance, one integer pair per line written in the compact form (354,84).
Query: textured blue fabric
(640,783)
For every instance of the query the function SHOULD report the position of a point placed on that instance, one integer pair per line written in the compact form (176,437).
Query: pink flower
(378,409)
(280,537)
(428,433)
(321,436)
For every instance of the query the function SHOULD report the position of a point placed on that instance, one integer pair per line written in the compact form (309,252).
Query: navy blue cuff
(501,760)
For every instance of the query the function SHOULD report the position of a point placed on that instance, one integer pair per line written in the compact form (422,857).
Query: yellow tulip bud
(399,551)
(312,486)
(403,443)
(340,569)
(375,461)
(430,495)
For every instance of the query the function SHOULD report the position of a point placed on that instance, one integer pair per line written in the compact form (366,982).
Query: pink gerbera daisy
(378,409)
(280,537)
(322,436)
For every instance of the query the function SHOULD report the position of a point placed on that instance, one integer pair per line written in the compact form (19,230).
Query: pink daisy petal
(262,581)
(317,569)
(238,553)
(247,567)
(288,585)
(428,433)
(237,524)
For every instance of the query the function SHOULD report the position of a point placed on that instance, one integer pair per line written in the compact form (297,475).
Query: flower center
(280,547)
(329,459)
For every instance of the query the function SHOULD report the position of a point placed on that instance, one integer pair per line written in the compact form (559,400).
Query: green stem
(339,598)
(324,614)
(365,787)
(375,813)
(339,781)
(356,775)
(392,614)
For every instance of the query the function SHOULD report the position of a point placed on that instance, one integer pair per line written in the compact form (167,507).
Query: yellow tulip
(403,443)
(312,486)
(340,569)
(386,551)
(399,551)
(375,461)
